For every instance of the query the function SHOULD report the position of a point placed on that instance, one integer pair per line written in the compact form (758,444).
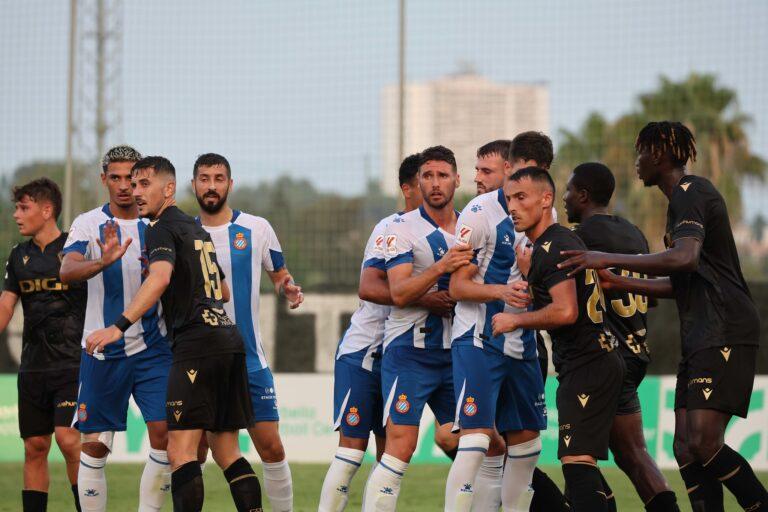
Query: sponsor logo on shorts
(177,415)
(726,351)
(583,399)
(82,413)
(353,417)
(402,405)
(470,407)
(567,440)
(240,243)
(174,403)
(192,374)
(66,403)
(707,392)
(565,426)
(700,380)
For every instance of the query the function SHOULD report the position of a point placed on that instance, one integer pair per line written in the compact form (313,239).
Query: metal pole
(70,114)
(401,84)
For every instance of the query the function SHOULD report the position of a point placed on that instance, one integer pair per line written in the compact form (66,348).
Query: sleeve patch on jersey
(464,233)
(379,244)
(391,249)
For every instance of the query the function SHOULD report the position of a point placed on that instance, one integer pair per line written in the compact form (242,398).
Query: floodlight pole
(67,220)
(401,84)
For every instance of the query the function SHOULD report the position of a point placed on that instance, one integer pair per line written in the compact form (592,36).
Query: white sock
(155,481)
(384,485)
(488,485)
(516,492)
(459,487)
(92,484)
(335,493)
(278,485)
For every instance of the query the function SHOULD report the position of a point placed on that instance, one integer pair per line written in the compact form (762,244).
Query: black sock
(451,454)
(244,486)
(76,494)
(546,494)
(585,490)
(610,499)
(705,492)
(736,474)
(34,501)
(665,501)
(187,488)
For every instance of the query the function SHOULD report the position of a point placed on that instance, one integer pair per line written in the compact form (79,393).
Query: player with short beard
(208,381)
(244,245)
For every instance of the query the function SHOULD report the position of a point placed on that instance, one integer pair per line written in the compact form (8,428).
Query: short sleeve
(272,255)
(374,249)
(160,244)
(688,212)
(11,283)
(77,239)
(472,229)
(398,245)
(546,258)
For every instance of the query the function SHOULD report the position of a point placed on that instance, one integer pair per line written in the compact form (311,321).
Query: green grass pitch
(422,488)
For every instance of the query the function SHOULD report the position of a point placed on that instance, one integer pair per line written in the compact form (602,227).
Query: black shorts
(629,402)
(209,393)
(587,399)
(46,400)
(718,378)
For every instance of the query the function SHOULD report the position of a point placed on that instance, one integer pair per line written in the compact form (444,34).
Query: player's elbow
(686,261)
(365,294)
(455,289)
(568,315)
(65,275)
(400,299)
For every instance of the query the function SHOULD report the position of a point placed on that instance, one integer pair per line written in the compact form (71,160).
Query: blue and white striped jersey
(415,238)
(112,289)
(244,246)
(365,334)
(485,224)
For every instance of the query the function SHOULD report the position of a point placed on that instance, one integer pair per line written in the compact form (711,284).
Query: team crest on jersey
(470,407)
(240,243)
(402,405)
(82,414)
(353,417)
(464,233)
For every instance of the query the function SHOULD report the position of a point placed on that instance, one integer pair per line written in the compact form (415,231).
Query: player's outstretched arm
(374,286)
(682,257)
(75,267)
(463,287)
(564,310)
(660,287)
(8,302)
(148,295)
(284,285)
(407,288)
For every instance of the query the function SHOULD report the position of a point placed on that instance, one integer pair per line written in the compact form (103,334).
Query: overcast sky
(295,85)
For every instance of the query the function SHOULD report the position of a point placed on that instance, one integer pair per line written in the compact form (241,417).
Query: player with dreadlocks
(719,324)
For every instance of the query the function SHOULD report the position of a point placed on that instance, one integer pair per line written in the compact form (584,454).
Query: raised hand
(582,260)
(111,250)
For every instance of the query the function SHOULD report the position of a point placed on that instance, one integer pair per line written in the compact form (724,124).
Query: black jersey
(625,313)
(53,312)
(714,302)
(585,340)
(192,303)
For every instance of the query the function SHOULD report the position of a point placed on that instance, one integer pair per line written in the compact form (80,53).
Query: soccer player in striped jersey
(104,247)
(497,379)
(416,367)
(244,245)
(358,401)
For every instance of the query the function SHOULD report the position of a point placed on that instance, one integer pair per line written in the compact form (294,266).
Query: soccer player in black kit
(586,199)
(53,327)
(719,324)
(590,371)
(208,384)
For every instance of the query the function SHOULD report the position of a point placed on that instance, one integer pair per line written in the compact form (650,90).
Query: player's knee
(445,440)
(36,447)
(158,435)
(95,449)
(273,452)
(497,446)
(69,446)
(703,447)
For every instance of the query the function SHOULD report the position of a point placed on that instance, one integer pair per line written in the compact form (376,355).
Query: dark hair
(667,137)
(209,160)
(41,189)
(119,154)
(439,154)
(597,179)
(409,168)
(532,146)
(160,164)
(536,174)
(500,147)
